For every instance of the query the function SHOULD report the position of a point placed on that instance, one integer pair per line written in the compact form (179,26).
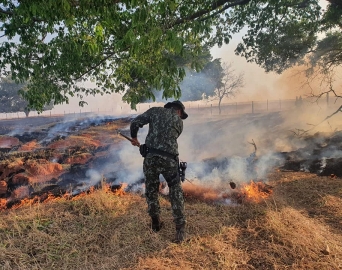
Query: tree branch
(253,143)
(6,12)
(212,7)
(301,132)
(94,67)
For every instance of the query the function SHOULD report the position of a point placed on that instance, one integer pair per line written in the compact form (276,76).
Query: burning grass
(34,162)
(295,227)
(254,192)
(292,224)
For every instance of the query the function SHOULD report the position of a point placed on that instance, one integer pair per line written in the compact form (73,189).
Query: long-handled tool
(126,137)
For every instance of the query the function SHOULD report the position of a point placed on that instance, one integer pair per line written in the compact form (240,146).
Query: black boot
(180,233)
(156,224)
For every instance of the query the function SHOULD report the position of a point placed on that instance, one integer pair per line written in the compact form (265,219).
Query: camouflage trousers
(153,167)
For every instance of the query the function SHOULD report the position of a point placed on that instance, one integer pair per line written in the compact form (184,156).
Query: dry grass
(298,227)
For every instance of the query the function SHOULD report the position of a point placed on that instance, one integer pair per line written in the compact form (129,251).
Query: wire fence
(198,107)
(244,107)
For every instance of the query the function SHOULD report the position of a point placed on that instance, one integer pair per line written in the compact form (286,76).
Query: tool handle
(126,137)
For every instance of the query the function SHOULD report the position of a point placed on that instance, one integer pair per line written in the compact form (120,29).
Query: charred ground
(53,155)
(58,155)
(296,225)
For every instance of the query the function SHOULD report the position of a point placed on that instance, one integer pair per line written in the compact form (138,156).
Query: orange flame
(121,190)
(256,192)
(16,203)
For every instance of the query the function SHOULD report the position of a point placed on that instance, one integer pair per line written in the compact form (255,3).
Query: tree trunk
(219,105)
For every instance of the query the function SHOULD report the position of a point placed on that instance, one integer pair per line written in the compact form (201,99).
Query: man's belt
(144,150)
(162,153)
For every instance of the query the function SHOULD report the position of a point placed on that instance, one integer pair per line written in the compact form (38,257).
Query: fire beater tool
(126,137)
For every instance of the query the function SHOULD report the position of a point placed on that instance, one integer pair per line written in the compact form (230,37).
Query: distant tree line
(11,100)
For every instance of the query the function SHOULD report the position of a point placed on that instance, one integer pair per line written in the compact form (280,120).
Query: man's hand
(135,142)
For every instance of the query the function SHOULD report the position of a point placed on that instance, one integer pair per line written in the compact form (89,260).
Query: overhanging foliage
(130,46)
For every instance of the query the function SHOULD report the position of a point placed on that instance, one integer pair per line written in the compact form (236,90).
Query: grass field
(297,227)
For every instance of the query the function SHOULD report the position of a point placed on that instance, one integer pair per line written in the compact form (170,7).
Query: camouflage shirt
(165,126)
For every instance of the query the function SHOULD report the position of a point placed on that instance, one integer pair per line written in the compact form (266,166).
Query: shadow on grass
(320,197)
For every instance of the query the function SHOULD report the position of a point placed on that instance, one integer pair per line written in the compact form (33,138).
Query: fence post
(252,107)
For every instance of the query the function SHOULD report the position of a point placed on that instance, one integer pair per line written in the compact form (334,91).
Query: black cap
(178,104)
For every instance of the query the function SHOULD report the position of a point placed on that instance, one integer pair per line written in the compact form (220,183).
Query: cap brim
(184,115)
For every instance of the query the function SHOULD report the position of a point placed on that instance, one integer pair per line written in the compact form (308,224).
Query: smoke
(193,86)
(130,170)
(93,178)
(218,149)
(266,163)
(226,140)
(74,124)
(20,130)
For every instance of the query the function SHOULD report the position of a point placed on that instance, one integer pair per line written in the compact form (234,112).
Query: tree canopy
(328,50)
(196,83)
(130,46)
(10,98)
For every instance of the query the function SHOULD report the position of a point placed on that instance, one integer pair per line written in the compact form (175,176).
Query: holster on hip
(143,149)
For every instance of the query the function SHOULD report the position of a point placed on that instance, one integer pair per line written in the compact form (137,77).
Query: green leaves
(279,32)
(12,97)
(134,47)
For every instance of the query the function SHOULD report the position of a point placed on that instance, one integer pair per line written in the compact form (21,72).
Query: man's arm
(139,122)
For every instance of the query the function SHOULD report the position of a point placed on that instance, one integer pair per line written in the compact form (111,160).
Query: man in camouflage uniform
(165,126)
